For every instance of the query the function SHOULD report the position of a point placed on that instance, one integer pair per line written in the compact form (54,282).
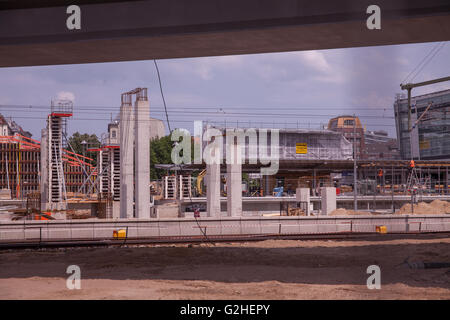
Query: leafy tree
(91,142)
(160,153)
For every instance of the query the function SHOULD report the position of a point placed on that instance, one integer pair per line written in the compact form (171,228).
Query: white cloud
(316,60)
(65,95)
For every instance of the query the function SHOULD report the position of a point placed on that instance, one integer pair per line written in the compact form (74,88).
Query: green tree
(160,153)
(76,141)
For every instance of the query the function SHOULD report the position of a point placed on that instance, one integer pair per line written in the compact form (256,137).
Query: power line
(162,95)
(239,114)
(190,121)
(217,108)
(425,61)
(428,61)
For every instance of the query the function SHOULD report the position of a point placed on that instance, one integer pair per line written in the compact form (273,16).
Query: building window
(113,134)
(349,122)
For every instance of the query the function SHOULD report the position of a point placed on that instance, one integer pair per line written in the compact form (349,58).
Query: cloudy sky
(293,89)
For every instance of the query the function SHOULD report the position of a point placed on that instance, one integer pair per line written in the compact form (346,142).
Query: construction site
(280,166)
(320,186)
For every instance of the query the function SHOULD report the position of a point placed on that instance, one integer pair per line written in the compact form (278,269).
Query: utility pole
(355,188)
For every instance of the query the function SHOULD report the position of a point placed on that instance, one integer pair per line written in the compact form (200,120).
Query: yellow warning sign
(301,148)
(424,144)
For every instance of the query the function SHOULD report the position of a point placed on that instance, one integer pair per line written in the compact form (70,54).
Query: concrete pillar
(43,167)
(302,196)
(234,183)
(142,159)
(213,190)
(116,209)
(126,160)
(328,200)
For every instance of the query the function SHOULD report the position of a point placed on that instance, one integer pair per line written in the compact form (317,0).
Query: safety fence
(42,231)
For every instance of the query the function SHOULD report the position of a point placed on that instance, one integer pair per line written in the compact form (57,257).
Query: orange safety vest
(412,164)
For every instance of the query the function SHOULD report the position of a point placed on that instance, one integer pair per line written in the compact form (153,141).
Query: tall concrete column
(328,195)
(126,160)
(213,190)
(142,158)
(302,196)
(43,168)
(234,182)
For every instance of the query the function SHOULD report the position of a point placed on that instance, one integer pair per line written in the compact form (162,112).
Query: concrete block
(14,234)
(171,210)
(192,228)
(148,230)
(57,233)
(302,195)
(326,228)
(169,228)
(230,227)
(82,232)
(103,232)
(308,229)
(213,190)
(116,209)
(328,195)
(270,227)
(250,226)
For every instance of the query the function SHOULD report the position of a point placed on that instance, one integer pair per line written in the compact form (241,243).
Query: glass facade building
(430,137)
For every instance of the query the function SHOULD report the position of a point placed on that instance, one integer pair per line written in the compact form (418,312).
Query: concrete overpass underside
(35,33)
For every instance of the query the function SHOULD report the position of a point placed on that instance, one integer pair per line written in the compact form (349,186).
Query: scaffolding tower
(56,130)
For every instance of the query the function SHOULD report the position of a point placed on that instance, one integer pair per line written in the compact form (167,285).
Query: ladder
(170,187)
(413,180)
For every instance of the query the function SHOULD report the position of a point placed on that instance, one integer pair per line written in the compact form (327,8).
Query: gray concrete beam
(160,29)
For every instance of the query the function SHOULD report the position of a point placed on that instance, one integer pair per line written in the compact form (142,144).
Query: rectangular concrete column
(213,190)
(142,159)
(302,196)
(115,209)
(234,182)
(328,195)
(43,168)
(126,160)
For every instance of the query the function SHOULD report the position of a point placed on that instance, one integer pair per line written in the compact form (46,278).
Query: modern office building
(430,135)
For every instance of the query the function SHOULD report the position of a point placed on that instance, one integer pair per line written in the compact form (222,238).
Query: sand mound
(435,207)
(343,212)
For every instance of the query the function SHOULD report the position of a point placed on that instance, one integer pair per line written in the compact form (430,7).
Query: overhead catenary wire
(428,57)
(239,114)
(428,61)
(190,121)
(162,95)
(216,108)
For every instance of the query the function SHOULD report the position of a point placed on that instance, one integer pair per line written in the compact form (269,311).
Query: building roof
(14,127)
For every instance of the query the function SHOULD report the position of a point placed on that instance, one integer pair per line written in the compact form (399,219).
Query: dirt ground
(272,269)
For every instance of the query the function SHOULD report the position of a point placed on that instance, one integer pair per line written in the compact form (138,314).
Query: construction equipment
(278,191)
(200,177)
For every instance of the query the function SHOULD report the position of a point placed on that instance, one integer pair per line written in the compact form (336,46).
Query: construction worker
(412,164)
